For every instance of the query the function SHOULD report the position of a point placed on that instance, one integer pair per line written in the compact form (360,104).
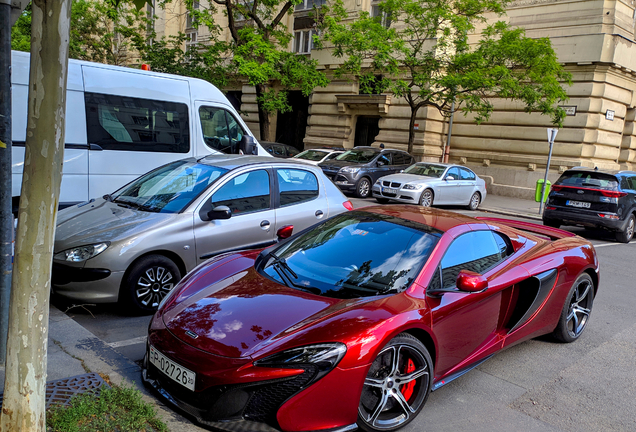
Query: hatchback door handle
(319,213)
(265,224)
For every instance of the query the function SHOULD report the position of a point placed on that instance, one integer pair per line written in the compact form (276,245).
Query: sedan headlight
(351,170)
(412,187)
(324,357)
(81,253)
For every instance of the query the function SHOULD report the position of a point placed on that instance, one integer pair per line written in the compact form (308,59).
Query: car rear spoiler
(553,233)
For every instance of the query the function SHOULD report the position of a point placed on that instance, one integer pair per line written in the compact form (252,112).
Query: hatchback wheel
(150,279)
(363,188)
(426,199)
(475,200)
(397,385)
(626,236)
(576,310)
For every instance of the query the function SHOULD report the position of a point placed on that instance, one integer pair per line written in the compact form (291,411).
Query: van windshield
(169,189)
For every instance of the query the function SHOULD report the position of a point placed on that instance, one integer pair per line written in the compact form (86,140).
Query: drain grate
(61,391)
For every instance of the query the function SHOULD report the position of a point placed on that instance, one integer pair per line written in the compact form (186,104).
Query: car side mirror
(449,177)
(401,171)
(219,213)
(380,163)
(248,146)
(469,281)
(285,232)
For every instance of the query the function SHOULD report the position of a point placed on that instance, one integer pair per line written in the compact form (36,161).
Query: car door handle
(265,224)
(319,213)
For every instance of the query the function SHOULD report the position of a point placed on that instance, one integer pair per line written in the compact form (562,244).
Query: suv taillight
(607,193)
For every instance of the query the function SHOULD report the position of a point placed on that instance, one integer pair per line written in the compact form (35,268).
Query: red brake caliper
(407,389)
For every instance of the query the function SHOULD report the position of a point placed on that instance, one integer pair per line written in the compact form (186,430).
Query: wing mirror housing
(380,163)
(285,232)
(469,281)
(449,177)
(219,213)
(248,145)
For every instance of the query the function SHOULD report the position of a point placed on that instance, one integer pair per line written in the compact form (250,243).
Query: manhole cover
(61,391)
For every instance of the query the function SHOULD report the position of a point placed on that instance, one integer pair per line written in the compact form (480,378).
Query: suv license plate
(175,371)
(579,204)
(389,190)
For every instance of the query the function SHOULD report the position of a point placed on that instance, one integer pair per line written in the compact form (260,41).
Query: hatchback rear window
(588,179)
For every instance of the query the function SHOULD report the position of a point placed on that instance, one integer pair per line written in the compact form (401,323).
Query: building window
(385,18)
(190,19)
(191,39)
(303,41)
(309,4)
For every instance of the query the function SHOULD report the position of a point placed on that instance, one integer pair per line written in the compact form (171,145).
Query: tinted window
(356,254)
(220,129)
(475,251)
(632,182)
(170,188)
(588,179)
(279,150)
(399,159)
(333,156)
(466,174)
(245,193)
(453,172)
(134,124)
(296,186)
(358,156)
(384,159)
(504,245)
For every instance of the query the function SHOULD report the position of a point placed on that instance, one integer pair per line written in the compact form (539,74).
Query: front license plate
(178,373)
(389,190)
(579,204)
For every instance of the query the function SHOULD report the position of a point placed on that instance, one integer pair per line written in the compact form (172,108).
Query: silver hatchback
(137,243)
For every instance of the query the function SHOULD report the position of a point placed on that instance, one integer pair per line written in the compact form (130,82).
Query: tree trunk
(414,110)
(263,116)
(23,406)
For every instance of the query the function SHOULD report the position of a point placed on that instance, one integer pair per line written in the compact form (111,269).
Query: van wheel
(626,235)
(150,279)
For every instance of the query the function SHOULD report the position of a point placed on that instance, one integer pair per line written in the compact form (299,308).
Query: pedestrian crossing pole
(552,133)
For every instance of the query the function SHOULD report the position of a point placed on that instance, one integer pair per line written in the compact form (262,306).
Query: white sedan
(430,184)
(315,156)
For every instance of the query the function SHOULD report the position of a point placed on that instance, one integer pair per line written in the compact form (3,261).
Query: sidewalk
(73,350)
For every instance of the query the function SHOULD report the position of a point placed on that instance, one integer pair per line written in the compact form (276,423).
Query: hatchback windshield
(426,170)
(358,156)
(356,254)
(588,179)
(312,155)
(170,188)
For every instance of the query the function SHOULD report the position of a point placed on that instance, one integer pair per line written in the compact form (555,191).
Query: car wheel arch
(416,330)
(175,258)
(594,277)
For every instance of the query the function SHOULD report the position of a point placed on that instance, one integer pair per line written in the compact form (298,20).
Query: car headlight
(351,170)
(81,253)
(323,357)
(412,187)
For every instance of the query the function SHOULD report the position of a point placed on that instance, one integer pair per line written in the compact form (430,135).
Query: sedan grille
(391,184)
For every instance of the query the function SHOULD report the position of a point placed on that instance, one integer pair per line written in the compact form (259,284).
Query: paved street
(539,385)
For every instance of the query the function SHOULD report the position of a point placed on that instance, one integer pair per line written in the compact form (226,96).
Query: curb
(511,213)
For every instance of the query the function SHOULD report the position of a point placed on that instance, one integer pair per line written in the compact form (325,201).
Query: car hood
(234,312)
(101,221)
(409,178)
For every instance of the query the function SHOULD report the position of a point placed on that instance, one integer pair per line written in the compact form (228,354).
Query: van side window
(134,124)
(221,131)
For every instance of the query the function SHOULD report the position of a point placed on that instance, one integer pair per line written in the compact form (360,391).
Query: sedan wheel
(363,188)
(576,310)
(626,236)
(150,280)
(426,199)
(397,385)
(474,201)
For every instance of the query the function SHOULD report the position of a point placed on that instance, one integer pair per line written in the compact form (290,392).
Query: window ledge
(381,101)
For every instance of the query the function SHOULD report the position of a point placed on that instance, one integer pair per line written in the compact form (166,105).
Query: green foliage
(425,56)
(21,31)
(118,409)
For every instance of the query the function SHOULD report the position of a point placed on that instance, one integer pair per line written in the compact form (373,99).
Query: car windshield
(588,179)
(168,189)
(312,155)
(358,156)
(356,254)
(426,170)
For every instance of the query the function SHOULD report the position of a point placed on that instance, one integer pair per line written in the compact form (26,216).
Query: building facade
(595,41)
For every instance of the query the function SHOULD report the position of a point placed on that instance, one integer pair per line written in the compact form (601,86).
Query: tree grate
(60,392)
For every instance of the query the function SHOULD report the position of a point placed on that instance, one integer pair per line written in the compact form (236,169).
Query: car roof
(232,161)
(602,171)
(379,150)
(441,220)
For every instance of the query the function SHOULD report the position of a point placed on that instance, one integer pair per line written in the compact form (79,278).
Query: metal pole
(448,136)
(6,217)
(545,179)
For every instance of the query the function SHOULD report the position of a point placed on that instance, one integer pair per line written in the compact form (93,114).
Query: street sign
(570,110)
(552,133)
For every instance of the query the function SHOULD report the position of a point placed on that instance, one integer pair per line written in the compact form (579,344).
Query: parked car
(123,122)
(357,169)
(432,183)
(279,150)
(381,306)
(316,156)
(594,198)
(135,245)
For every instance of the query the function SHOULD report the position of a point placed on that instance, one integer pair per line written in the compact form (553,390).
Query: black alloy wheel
(150,279)
(397,385)
(626,235)
(576,310)
(363,188)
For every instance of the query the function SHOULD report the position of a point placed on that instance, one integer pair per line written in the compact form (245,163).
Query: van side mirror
(248,146)
(219,213)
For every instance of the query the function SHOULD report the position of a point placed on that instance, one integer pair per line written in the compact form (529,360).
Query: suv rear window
(588,179)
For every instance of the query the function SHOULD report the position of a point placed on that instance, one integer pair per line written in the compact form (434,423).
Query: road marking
(134,341)
(610,244)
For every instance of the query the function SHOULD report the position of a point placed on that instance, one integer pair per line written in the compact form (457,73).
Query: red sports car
(353,322)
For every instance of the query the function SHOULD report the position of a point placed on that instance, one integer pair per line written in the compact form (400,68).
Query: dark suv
(357,169)
(594,198)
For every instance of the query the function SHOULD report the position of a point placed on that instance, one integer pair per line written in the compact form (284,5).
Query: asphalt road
(539,385)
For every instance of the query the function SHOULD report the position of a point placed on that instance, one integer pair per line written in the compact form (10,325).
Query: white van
(123,122)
